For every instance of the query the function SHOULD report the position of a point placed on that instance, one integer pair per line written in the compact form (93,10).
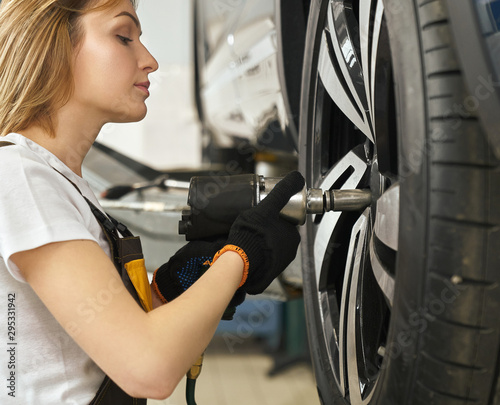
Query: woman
(67,68)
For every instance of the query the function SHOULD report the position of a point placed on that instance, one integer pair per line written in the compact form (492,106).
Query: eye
(123,39)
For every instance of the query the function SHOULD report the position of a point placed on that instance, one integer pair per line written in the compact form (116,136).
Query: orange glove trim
(156,289)
(243,255)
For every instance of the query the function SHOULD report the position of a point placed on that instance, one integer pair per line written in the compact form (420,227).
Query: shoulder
(30,187)
(38,206)
(22,168)
(18,156)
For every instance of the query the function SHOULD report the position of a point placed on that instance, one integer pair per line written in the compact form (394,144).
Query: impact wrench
(215,202)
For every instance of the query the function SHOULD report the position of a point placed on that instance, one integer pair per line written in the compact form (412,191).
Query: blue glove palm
(185,267)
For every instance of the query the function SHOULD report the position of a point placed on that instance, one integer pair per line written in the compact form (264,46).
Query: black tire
(402,299)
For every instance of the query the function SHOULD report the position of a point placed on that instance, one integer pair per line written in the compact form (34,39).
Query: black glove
(185,267)
(269,242)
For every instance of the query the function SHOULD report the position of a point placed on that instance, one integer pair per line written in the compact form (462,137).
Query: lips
(144,86)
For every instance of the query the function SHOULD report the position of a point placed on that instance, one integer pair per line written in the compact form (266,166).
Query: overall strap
(124,248)
(108,222)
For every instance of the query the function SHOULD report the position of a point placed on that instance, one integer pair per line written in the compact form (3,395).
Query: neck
(74,135)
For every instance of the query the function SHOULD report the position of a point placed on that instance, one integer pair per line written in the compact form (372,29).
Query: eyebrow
(135,20)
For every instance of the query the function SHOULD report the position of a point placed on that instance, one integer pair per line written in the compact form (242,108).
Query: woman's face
(112,66)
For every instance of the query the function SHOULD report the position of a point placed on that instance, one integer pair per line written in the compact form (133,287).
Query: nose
(148,62)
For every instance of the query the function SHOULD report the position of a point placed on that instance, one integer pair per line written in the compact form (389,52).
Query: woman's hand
(269,241)
(184,268)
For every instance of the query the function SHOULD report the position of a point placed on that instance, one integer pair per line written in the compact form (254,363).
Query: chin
(138,118)
(129,116)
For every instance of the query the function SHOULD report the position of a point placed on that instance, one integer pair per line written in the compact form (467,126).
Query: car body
(248,57)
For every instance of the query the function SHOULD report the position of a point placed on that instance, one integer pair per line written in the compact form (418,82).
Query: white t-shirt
(40,364)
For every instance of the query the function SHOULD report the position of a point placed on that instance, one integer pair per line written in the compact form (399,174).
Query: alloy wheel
(350,142)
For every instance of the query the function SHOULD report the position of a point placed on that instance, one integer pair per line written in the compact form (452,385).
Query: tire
(402,299)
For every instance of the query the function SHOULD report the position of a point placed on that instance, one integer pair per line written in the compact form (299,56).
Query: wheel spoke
(385,279)
(387,218)
(357,165)
(336,88)
(347,327)
(340,69)
(348,59)
(370,36)
(386,231)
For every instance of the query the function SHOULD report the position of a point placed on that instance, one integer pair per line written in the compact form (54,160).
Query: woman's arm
(145,354)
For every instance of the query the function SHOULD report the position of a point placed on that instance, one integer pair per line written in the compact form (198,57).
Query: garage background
(169,136)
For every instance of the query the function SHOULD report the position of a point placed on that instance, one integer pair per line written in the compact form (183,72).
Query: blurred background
(169,137)
(261,357)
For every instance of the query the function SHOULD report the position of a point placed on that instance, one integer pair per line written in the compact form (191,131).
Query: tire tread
(466,165)
(459,160)
(455,398)
(466,282)
(435,23)
(461,325)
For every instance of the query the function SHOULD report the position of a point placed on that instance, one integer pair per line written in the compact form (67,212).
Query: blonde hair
(37,41)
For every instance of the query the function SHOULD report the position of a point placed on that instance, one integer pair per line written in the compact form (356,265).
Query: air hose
(190,387)
(192,375)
